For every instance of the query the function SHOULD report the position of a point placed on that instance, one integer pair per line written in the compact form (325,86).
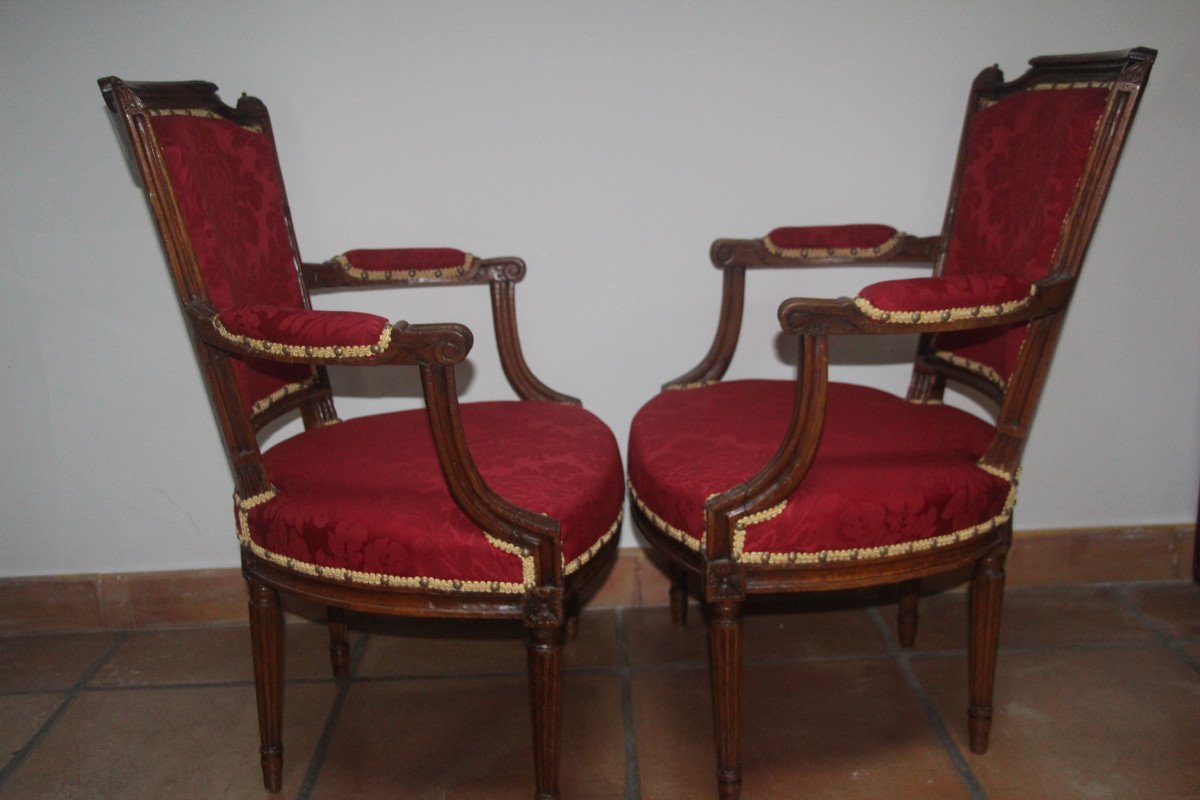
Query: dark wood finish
(724,580)
(434,350)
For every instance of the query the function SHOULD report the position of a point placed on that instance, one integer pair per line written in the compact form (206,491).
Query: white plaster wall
(608,144)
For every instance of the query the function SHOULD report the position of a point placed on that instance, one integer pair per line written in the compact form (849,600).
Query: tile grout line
(903,660)
(633,784)
(19,757)
(1172,645)
(309,782)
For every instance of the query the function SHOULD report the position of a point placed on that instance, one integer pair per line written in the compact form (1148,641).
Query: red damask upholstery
(409,261)
(978,291)
(887,472)
(367,495)
(230,195)
(831,238)
(1024,160)
(303,327)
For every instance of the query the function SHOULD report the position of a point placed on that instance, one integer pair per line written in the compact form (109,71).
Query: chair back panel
(1024,160)
(226,182)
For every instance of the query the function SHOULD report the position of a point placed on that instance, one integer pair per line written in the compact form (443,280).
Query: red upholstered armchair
(504,510)
(758,486)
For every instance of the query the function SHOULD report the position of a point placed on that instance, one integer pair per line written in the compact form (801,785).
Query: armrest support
(826,246)
(444,266)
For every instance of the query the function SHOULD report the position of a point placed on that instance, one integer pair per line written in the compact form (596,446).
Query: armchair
(496,510)
(757,486)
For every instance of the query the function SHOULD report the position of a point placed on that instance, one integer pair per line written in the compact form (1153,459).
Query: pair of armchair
(513,509)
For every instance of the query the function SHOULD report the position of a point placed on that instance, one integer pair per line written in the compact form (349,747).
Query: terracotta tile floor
(1098,696)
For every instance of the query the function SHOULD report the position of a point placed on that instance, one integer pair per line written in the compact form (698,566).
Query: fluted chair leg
(544,645)
(266,637)
(679,597)
(339,642)
(906,619)
(987,593)
(725,654)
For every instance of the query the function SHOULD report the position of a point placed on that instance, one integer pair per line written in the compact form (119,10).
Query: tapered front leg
(339,642)
(987,593)
(725,655)
(266,638)
(544,644)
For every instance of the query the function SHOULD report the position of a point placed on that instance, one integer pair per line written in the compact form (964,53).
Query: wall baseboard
(132,600)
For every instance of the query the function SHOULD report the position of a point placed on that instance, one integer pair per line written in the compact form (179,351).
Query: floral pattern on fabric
(886,471)
(304,327)
(832,240)
(1025,157)
(410,262)
(977,291)
(226,181)
(368,494)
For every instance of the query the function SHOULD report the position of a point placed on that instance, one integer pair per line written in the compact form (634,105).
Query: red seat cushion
(365,500)
(889,476)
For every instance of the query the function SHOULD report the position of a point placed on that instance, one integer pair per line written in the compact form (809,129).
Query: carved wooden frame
(725,581)
(548,609)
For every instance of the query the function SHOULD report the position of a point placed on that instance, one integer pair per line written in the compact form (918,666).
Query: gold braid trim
(400,274)
(685,539)
(307,351)
(943,314)
(200,112)
(585,557)
(280,393)
(882,249)
(835,556)
(979,368)
(683,387)
(375,578)
(739,527)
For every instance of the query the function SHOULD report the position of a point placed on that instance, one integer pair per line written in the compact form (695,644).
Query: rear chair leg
(906,620)
(339,642)
(679,597)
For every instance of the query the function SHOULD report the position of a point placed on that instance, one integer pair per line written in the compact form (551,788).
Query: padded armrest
(986,294)
(305,333)
(929,305)
(834,241)
(825,245)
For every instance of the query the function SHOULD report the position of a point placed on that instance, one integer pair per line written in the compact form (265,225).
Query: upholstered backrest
(1024,160)
(225,179)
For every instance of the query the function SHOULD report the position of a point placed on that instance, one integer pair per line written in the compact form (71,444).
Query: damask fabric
(368,495)
(1024,160)
(837,237)
(226,181)
(406,260)
(984,289)
(303,327)
(887,472)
